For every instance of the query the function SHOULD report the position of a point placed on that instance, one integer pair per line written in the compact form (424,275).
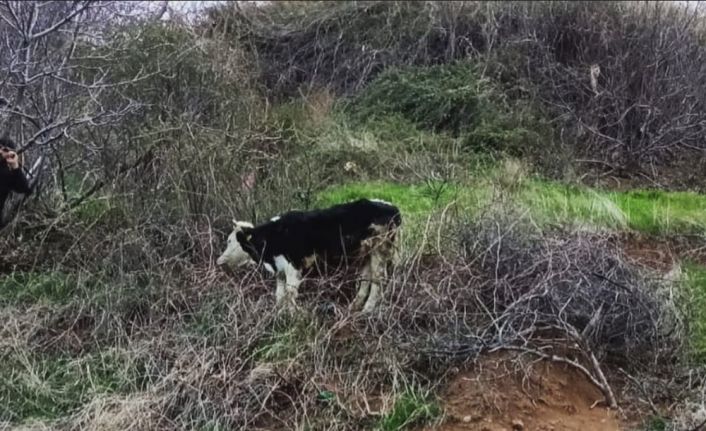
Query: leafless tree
(54,77)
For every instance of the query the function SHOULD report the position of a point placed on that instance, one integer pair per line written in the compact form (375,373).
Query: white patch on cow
(234,255)
(275,218)
(281,263)
(292,278)
(380,201)
(239,225)
(269,268)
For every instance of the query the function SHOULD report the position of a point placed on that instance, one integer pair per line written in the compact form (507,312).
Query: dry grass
(115,316)
(212,352)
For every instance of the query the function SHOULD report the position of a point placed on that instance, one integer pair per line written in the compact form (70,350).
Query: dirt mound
(658,255)
(499,393)
(661,253)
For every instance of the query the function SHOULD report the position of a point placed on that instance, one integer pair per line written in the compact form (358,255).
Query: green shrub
(450,97)
(412,408)
(456,99)
(655,423)
(496,135)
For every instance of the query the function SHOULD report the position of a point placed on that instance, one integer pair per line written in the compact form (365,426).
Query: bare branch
(65,20)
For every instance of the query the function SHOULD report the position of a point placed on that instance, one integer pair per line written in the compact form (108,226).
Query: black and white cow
(291,245)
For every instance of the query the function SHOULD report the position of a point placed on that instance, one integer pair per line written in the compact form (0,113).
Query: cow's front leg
(292,280)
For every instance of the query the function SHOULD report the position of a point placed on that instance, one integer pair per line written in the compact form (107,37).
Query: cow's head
(235,254)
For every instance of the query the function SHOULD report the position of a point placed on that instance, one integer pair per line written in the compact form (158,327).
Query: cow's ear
(239,225)
(244,235)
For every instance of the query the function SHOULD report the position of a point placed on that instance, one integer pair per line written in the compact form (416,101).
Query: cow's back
(333,233)
(355,221)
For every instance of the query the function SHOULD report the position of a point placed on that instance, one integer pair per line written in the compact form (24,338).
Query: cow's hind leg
(377,272)
(363,286)
(281,288)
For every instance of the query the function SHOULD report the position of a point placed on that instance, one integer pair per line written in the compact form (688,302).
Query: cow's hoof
(287,308)
(356,306)
(369,308)
(326,309)
(293,308)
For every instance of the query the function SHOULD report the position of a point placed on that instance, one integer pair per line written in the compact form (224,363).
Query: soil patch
(658,255)
(662,253)
(499,393)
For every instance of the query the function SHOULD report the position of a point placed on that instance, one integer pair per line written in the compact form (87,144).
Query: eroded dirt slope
(497,394)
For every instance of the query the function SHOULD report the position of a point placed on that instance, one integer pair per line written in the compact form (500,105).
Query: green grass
(664,212)
(696,294)
(210,321)
(411,199)
(655,423)
(34,387)
(289,336)
(654,212)
(33,287)
(413,407)
(558,203)
(418,203)
(54,287)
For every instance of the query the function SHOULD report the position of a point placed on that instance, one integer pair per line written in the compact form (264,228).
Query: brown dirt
(651,253)
(661,254)
(680,174)
(501,394)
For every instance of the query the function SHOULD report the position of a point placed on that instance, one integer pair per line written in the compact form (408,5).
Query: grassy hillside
(548,218)
(569,60)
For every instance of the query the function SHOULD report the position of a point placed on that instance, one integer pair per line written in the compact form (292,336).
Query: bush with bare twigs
(193,346)
(567,297)
(624,80)
(115,316)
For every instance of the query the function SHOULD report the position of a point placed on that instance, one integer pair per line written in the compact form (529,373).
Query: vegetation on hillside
(621,81)
(526,145)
